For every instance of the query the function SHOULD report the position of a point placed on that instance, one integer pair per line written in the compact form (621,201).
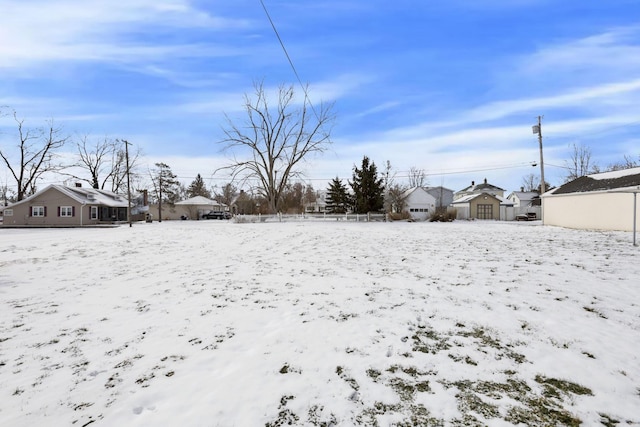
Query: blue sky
(449,87)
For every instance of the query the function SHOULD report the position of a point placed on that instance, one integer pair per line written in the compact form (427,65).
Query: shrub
(443,215)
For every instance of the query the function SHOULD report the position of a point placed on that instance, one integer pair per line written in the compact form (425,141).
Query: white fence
(368,217)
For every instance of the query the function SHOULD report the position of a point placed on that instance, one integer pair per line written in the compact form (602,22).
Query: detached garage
(603,201)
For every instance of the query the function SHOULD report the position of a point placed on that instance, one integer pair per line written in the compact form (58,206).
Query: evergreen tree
(198,188)
(337,197)
(165,184)
(368,188)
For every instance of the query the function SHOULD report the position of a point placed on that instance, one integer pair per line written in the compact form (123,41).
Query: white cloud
(39,31)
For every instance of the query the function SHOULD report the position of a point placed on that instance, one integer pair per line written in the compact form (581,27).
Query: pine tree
(198,188)
(337,197)
(165,184)
(368,188)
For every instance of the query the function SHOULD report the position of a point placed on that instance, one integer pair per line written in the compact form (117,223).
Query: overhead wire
(293,67)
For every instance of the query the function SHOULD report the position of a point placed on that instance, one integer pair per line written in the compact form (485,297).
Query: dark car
(529,216)
(216,215)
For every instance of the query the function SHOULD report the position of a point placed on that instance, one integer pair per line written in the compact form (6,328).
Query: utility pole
(126,150)
(538,129)
(160,199)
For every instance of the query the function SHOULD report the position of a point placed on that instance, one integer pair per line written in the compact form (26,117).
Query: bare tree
(580,162)
(226,194)
(531,182)
(105,161)
(626,163)
(395,198)
(36,149)
(277,140)
(417,177)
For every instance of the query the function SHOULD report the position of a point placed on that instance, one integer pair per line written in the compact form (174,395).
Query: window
(8,212)
(94,212)
(38,211)
(66,210)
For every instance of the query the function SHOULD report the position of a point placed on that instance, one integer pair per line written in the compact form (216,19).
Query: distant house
(474,188)
(319,205)
(601,201)
(482,206)
(419,203)
(192,208)
(526,202)
(59,205)
(482,201)
(443,196)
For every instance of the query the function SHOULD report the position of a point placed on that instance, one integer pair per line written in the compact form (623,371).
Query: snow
(615,174)
(213,323)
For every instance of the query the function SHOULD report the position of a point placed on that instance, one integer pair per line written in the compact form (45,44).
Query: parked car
(216,215)
(529,216)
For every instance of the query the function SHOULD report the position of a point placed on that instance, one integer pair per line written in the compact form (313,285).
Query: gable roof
(483,186)
(82,195)
(601,182)
(524,196)
(411,190)
(199,200)
(470,197)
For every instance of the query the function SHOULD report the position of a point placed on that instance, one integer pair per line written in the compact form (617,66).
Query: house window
(94,212)
(37,211)
(66,211)
(8,212)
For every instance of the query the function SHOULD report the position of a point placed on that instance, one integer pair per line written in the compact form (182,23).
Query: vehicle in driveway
(529,216)
(216,215)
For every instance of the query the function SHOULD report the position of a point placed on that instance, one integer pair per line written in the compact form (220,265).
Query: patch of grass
(342,374)
(285,416)
(533,409)
(428,341)
(553,386)
(594,311)
(608,421)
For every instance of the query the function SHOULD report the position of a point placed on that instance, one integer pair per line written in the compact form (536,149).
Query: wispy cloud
(98,30)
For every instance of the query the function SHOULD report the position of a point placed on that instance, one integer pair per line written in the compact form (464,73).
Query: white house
(482,201)
(419,203)
(603,201)
(525,202)
(481,188)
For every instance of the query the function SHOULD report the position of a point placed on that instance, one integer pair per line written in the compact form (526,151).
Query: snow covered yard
(212,323)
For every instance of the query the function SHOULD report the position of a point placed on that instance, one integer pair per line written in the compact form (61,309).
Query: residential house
(443,196)
(419,203)
(482,201)
(192,208)
(474,188)
(526,202)
(603,201)
(319,205)
(62,206)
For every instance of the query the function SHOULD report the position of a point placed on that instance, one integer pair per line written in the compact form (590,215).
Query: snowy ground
(212,323)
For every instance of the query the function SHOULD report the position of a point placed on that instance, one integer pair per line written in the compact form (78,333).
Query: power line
(293,67)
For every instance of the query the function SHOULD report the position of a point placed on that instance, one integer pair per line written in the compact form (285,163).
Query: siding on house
(419,203)
(62,206)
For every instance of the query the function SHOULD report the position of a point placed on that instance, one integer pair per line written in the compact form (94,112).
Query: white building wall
(590,211)
(420,204)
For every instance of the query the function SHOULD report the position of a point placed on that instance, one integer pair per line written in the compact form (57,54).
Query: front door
(485,211)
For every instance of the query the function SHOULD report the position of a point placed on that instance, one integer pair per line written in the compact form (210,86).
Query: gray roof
(606,181)
(87,196)
(470,197)
(483,186)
